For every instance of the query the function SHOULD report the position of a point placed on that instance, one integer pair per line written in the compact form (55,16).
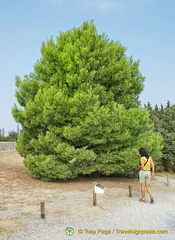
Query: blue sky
(145,27)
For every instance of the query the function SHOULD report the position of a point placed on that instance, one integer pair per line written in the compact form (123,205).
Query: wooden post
(42,210)
(168,180)
(130,191)
(94,199)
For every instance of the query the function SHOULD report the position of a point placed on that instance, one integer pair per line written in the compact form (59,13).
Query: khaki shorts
(145,177)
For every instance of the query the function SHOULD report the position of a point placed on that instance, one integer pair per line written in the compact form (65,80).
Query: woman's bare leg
(148,188)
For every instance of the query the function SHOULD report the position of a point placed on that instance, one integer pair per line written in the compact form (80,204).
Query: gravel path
(115,213)
(69,204)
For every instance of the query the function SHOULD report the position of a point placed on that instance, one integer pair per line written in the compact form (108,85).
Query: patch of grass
(3,230)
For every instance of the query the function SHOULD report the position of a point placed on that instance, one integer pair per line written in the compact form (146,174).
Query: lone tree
(79,108)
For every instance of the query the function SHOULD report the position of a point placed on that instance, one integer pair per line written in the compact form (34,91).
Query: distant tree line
(163,118)
(11,137)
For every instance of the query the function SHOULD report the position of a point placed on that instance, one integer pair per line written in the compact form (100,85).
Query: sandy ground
(21,195)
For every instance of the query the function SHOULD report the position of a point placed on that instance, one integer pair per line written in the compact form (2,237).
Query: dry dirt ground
(21,195)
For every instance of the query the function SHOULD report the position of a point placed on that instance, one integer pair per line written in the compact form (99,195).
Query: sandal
(142,200)
(151,199)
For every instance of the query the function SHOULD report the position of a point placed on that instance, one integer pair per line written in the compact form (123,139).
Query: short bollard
(168,180)
(94,199)
(130,191)
(42,210)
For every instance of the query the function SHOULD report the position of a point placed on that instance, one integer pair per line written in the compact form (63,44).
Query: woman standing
(145,174)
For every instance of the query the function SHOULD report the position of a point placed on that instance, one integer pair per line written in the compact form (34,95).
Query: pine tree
(164,124)
(168,133)
(79,108)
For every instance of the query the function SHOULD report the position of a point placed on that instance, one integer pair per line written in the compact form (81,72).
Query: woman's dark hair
(143,153)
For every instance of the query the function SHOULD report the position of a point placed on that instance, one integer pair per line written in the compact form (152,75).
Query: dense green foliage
(163,119)
(79,108)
